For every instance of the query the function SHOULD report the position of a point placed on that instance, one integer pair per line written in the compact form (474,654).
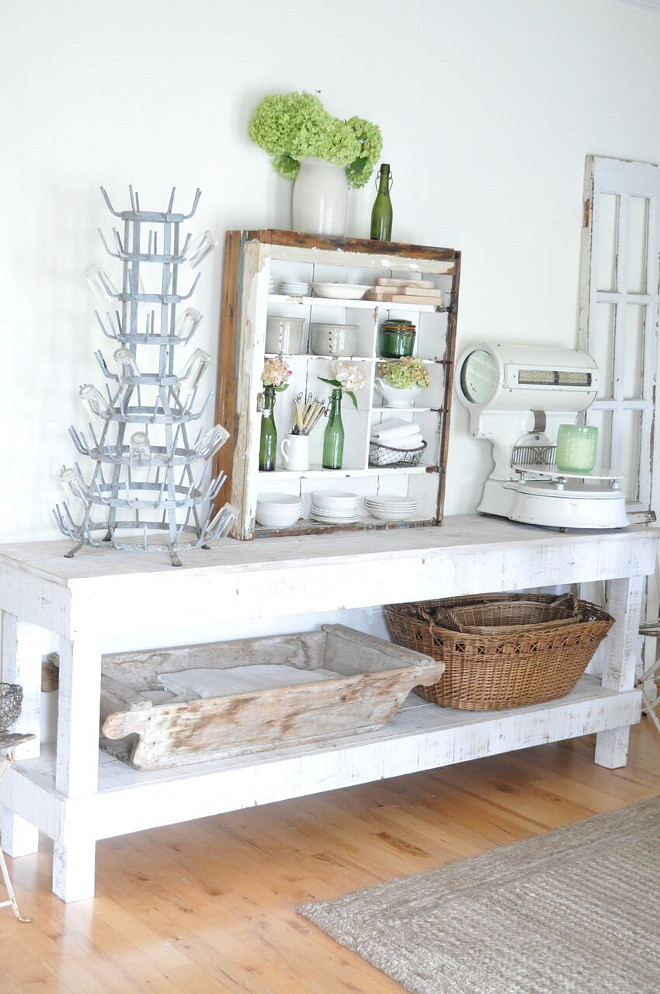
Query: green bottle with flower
(345,378)
(275,378)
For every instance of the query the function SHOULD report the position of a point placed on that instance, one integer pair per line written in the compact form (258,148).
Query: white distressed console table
(76,795)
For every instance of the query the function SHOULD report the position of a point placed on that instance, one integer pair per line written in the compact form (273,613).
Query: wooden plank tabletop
(47,559)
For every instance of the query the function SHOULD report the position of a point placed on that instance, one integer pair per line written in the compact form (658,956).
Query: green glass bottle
(381,212)
(268,440)
(333,440)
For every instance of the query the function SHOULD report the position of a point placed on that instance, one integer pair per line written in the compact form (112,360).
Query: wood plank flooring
(211,905)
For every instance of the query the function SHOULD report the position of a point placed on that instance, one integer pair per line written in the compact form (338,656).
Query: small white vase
(320,198)
(393,396)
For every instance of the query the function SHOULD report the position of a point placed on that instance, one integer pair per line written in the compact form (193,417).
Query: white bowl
(275,501)
(393,396)
(340,291)
(271,520)
(389,515)
(278,510)
(391,501)
(334,499)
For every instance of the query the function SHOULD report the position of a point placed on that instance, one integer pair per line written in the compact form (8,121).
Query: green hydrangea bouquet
(295,126)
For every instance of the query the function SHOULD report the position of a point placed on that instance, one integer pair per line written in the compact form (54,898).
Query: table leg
(621,653)
(19,837)
(73,869)
(78,712)
(76,772)
(23,646)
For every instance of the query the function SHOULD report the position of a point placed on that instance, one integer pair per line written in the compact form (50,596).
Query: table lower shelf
(421,736)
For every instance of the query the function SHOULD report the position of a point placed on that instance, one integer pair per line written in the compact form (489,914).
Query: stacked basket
(501,650)
(11,700)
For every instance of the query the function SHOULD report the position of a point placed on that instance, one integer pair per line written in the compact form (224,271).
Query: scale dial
(479,377)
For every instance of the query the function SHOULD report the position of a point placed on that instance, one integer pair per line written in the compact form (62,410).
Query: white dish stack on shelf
(278,510)
(334,507)
(294,288)
(391,508)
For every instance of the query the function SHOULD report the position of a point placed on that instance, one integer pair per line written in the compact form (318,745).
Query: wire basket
(11,700)
(388,455)
(500,666)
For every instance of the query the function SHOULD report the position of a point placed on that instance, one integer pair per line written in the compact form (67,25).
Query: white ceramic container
(334,339)
(284,335)
(393,397)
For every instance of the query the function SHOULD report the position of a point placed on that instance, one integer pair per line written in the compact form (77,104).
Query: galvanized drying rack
(155,481)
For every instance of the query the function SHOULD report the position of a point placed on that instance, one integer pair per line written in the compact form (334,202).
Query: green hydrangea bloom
(405,373)
(295,126)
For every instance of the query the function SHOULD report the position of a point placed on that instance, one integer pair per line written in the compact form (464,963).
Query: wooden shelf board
(421,736)
(342,303)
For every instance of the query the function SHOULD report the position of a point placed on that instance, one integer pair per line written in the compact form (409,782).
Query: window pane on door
(629,433)
(633,364)
(603,421)
(601,345)
(638,233)
(606,233)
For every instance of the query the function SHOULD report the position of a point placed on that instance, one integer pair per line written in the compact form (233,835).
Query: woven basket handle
(568,599)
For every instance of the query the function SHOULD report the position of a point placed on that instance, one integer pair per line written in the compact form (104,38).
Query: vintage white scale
(518,396)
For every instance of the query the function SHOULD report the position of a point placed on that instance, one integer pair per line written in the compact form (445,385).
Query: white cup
(295,452)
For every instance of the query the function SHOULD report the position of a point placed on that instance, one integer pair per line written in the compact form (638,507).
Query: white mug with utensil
(295,452)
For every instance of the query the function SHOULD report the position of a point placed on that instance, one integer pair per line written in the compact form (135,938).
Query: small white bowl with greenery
(400,380)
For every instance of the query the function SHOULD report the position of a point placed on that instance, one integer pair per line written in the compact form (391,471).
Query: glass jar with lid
(397,339)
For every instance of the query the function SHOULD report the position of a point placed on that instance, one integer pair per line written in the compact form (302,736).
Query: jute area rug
(576,911)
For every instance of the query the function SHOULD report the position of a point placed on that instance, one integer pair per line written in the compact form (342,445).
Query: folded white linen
(207,683)
(407,443)
(394,428)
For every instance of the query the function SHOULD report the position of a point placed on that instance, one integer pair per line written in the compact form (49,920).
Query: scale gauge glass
(479,377)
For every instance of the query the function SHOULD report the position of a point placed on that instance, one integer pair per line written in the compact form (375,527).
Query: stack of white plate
(271,284)
(278,510)
(293,288)
(334,507)
(391,508)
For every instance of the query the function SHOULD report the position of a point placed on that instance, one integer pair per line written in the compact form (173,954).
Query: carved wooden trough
(365,680)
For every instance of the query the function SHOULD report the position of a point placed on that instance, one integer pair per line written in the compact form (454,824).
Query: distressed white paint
(242,581)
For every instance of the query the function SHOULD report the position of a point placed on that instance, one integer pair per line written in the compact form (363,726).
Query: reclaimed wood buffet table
(77,795)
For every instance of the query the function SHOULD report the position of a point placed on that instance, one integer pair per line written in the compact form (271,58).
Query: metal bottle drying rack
(152,485)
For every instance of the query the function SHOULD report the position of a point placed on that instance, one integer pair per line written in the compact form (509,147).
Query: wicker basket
(389,455)
(497,614)
(504,667)
(11,700)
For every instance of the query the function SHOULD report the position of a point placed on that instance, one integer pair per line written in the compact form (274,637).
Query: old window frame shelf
(252,260)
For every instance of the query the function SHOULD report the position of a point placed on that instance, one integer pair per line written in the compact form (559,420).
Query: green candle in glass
(576,448)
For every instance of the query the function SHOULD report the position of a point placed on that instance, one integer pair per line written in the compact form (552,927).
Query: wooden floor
(211,905)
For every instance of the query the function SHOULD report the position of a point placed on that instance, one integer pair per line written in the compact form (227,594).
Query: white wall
(488,108)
